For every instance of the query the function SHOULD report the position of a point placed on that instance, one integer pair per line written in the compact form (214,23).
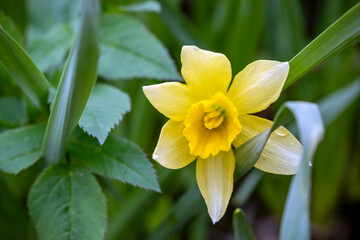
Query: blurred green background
(244,30)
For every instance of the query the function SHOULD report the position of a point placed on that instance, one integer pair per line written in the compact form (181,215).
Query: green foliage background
(140,45)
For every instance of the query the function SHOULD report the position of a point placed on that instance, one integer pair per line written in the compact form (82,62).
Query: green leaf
(341,34)
(67,203)
(295,223)
(118,158)
(241,227)
(48,49)
(55,12)
(12,111)
(75,85)
(334,104)
(243,29)
(22,69)
(246,187)
(10,27)
(330,108)
(129,50)
(247,154)
(105,108)
(185,208)
(20,148)
(146,6)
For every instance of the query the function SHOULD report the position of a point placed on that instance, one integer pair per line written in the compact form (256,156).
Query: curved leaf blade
(75,85)
(147,6)
(334,104)
(295,223)
(341,34)
(67,203)
(24,71)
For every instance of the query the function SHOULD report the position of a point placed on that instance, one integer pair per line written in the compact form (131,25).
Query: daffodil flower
(208,117)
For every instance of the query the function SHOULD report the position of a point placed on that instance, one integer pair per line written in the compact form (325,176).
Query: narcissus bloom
(208,118)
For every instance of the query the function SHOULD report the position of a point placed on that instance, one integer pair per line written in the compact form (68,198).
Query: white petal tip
(215,216)
(145,87)
(284,65)
(190,47)
(214,219)
(155,157)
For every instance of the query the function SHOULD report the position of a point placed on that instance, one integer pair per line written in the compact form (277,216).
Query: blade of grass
(341,34)
(241,227)
(24,71)
(76,83)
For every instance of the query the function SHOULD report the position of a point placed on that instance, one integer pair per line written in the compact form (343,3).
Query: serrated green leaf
(118,158)
(341,34)
(75,85)
(67,203)
(146,6)
(20,148)
(48,49)
(105,108)
(22,69)
(55,12)
(129,50)
(12,111)
(241,227)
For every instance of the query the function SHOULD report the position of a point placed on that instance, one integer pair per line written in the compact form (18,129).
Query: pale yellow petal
(172,150)
(215,179)
(204,71)
(172,99)
(258,85)
(282,152)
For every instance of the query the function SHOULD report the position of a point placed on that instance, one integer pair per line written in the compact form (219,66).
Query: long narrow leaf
(24,71)
(341,34)
(295,222)
(241,227)
(334,104)
(75,85)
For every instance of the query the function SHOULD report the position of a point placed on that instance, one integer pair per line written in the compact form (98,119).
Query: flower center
(214,116)
(211,126)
